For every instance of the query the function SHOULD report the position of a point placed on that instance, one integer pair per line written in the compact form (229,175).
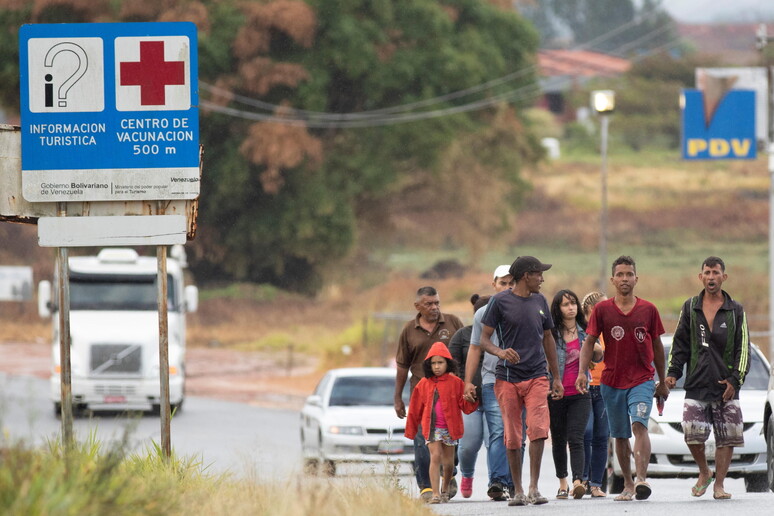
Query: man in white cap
(500,483)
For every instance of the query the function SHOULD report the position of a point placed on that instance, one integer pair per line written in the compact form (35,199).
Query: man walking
(418,335)
(712,340)
(631,328)
(500,483)
(522,321)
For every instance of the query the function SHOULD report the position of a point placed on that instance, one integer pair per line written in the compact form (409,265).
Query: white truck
(114,330)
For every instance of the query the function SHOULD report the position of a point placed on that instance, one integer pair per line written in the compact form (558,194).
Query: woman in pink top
(569,414)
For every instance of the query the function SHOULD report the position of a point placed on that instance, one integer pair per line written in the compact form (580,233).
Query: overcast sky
(720,11)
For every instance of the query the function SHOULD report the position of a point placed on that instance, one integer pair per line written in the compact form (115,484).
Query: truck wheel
(755,483)
(58,410)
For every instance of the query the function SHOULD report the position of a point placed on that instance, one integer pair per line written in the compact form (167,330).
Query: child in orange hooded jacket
(437,403)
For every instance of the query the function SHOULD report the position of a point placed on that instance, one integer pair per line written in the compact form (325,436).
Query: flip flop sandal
(562,494)
(435,499)
(700,489)
(578,490)
(625,496)
(722,496)
(642,490)
(537,499)
(596,492)
(518,499)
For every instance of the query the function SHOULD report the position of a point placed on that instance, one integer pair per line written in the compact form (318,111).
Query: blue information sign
(109,111)
(726,133)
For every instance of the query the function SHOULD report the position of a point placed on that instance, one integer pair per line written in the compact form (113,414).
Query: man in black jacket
(712,342)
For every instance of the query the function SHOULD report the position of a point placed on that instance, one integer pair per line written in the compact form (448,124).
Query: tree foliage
(620,27)
(280,202)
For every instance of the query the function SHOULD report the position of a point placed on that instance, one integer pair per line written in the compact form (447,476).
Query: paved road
(263,443)
(226,436)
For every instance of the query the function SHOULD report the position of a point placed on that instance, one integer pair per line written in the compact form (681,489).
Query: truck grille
(116,359)
(115,390)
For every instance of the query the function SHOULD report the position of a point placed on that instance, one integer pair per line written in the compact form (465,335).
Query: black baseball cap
(527,264)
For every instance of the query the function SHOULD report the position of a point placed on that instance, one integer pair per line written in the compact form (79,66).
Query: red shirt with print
(628,341)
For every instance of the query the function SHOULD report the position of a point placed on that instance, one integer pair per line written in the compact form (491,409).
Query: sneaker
(496,492)
(466,488)
(426,495)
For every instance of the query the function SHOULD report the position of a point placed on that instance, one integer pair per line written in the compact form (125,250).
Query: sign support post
(166,416)
(65,376)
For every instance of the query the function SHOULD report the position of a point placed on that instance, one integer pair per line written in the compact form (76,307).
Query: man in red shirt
(632,329)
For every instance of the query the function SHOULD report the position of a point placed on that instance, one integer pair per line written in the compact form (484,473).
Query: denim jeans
(471,441)
(421,460)
(497,459)
(595,439)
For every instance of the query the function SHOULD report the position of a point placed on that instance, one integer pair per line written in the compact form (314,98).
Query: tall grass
(89,479)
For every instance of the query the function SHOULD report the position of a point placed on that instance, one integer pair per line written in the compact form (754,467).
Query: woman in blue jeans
(597,430)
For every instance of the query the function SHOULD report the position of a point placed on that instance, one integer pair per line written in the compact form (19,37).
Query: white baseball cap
(502,270)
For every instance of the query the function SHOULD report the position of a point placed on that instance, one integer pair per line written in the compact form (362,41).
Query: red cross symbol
(152,73)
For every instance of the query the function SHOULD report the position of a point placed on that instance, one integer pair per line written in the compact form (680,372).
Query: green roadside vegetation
(92,479)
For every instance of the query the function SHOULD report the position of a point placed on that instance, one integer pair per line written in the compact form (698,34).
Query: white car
(768,431)
(670,456)
(351,418)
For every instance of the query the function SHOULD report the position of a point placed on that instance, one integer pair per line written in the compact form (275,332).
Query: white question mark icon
(80,71)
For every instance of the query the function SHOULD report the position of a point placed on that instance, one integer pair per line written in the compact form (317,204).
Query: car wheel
(615,483)
(755,483)
(770,452)
(329,468)
(311,466)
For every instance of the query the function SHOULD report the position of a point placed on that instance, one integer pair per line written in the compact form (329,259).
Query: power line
(402,113)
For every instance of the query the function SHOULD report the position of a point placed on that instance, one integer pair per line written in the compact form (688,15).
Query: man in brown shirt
(418,335)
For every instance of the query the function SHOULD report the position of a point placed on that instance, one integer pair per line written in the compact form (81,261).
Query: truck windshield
(117,292)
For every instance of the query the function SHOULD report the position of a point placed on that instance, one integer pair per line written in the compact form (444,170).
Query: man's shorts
(628,406)
(723,417)
(512,397)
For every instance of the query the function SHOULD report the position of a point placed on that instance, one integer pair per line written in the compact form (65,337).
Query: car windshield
(757,378)
(372,391)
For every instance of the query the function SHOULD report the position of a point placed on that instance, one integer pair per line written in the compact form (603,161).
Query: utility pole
(761,42)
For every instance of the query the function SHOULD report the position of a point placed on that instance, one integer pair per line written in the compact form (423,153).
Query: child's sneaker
(466,487)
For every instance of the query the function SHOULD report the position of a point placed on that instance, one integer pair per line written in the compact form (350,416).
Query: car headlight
(654,427)
(345,430)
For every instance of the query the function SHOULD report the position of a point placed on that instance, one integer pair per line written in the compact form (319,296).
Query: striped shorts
(724,418)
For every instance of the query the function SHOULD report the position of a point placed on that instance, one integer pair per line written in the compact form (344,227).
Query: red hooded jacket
(450,389)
